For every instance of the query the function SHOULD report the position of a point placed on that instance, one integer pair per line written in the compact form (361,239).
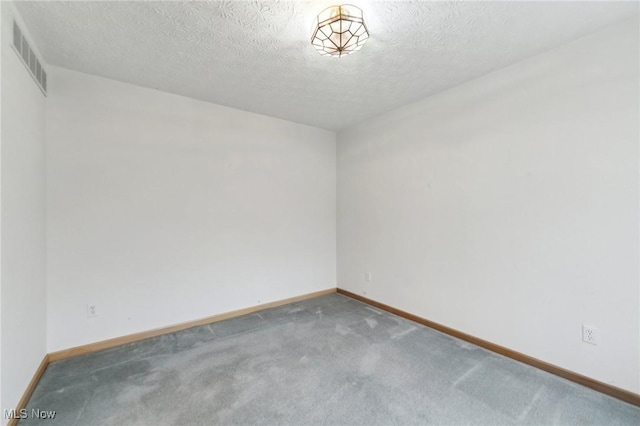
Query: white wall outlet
(367,277)
(92,311)
(589,334)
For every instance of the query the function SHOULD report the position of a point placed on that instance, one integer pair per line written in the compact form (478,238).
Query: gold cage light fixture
(339,31)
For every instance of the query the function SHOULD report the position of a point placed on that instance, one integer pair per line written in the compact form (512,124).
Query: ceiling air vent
(29,59)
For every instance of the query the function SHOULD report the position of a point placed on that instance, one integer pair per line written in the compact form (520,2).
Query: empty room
(312,212)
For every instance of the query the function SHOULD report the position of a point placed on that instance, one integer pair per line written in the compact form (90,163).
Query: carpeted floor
(330,360)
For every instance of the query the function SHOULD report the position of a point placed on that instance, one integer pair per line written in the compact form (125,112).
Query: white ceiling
(256,55)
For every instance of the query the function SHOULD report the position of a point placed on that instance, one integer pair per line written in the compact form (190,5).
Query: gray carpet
(330,360)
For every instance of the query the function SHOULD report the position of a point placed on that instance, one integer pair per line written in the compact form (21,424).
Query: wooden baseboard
(130,338)
(30,388)
(613,391)
(621,394)
(105,344)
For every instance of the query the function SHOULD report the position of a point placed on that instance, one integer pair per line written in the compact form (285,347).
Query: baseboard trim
(117,341)
(22,404)
(130,338)
(605,388)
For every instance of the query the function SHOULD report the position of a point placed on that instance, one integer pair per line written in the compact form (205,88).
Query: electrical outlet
(367,277)
(92,311)
(589,334)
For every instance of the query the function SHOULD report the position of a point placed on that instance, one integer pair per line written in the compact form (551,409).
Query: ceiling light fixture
(339,30)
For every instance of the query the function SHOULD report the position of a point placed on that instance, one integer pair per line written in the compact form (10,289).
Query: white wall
(2,26)
(2,29)
(23,289)
(507,207)
(164,209)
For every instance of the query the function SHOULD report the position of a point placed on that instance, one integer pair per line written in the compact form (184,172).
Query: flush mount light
(339,30)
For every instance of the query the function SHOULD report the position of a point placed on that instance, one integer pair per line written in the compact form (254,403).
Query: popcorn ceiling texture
(257,56)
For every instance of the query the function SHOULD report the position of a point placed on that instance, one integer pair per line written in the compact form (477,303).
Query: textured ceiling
(256,55)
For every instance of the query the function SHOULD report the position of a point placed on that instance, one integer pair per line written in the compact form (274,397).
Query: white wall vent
(29,59)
